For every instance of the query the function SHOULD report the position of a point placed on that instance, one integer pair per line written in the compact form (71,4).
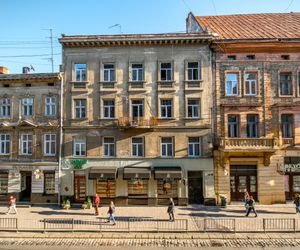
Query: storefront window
(138,188)
(3,183)
(49,183)
(106,189)
(167,188)
(296,183)
(252,184)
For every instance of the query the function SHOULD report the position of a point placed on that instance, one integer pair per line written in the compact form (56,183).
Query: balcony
(248,144)
(287,142)
(129,122)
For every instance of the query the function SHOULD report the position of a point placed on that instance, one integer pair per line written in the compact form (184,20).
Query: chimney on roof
(25,70)
(3,70)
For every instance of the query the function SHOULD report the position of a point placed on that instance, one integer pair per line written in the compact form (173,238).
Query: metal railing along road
(193,224)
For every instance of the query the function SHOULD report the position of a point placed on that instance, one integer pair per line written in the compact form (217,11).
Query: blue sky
(24,22)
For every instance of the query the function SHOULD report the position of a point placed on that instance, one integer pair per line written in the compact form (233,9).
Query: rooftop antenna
(116,25)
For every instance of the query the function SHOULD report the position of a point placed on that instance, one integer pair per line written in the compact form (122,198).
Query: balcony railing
(248,143)
(287,141)
(137,122)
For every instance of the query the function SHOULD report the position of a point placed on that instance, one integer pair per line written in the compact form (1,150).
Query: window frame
(193,106)
(111,76)
(80,72)
(27,105)
(167,145)
(5,106)
(53,106)
(108,145)
(81,142)
(187,68)
(112,114)
(50,144)
(166,108)
(250,125)
(291,83)
(28,143)
(142,74)
(291,124)
(230,124)
(170,70)
(80,107)
(53,183)
(250,82)
(237,84)
(138,107)
(6,149)
(142,144)
(193,144)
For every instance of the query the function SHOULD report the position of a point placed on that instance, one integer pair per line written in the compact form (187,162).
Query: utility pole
(51,42)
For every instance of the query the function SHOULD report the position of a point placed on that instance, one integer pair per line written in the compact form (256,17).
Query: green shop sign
(78,163)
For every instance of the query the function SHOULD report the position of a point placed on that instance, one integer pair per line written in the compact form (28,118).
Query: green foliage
(89,200)
(78,163)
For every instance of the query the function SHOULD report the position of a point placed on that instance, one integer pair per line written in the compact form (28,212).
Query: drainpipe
(60,136)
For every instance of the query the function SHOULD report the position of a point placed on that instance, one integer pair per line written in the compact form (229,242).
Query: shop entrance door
(25,186)
(195,186)
(80,188)
(292,185)
(243,178)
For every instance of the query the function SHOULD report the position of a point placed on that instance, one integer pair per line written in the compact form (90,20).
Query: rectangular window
(49,183)
(252,126)
(194,147)
(138,146)
(109,109)
(50,106)
(250,84)
(137,108)
(26,144)
(109,72)
(79,146)
(3,183)
(193,108)
(166,71)
(286,84)
(27,106)
(49,144)
(80,72)
(80,108)
(232,84)
(166,108)
(4,144)
(233,126)
(137,72)
(287,125)
(109,146)
(193,71)
(5,109)
(166,146)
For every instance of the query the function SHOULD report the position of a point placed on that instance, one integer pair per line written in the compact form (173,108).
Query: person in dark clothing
(251,206)
(297,203)
(171,208)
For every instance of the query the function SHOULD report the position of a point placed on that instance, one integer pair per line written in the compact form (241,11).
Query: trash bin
(223,201)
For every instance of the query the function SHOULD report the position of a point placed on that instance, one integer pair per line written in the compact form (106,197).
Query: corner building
(256,104)
(29,137)
(137,123)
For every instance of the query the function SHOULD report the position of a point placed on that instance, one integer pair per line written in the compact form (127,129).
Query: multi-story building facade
(136,119)
(29,136)
(256,104)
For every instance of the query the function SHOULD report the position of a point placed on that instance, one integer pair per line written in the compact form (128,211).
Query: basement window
(285,57)
(6,85)
(250,57)
(51,84)
(231,58)
(28,85)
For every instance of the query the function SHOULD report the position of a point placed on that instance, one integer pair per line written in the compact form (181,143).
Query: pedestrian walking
(246,200)
(251,206)
(171,209)
(96,203)
(297,203)
(12,205)
(111,213)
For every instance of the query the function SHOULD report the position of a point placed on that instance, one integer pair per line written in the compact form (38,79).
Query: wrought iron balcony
(138,122)
(244,144)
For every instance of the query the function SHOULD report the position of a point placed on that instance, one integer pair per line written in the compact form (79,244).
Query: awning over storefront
(103,173)
(168,173)
(137,173)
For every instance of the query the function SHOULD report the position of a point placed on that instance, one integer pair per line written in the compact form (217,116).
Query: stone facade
(121,53)
(28,159)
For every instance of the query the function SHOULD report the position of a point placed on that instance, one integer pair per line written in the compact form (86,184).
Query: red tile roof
(253,26)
